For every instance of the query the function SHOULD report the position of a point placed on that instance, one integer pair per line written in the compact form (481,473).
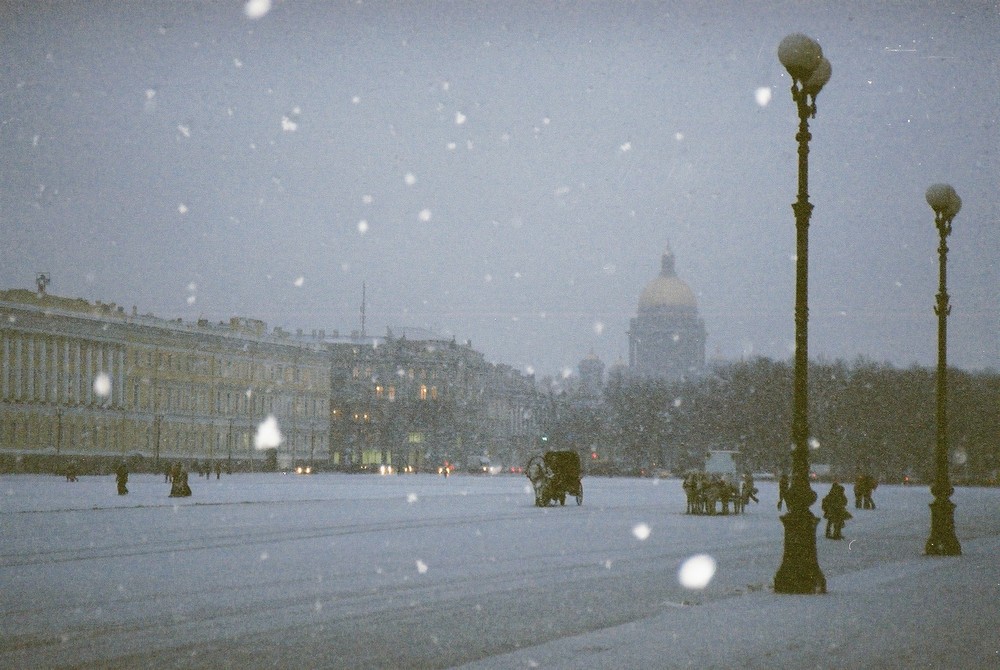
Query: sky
(507,173)
(418,571)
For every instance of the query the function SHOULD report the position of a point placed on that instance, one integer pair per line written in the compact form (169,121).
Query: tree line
(863,417)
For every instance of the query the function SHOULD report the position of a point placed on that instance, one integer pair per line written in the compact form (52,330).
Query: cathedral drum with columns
(667,338)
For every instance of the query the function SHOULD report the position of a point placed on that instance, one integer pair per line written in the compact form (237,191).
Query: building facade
(93,383)
(415,401)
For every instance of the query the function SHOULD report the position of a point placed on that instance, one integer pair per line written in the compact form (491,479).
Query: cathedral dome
(667,290)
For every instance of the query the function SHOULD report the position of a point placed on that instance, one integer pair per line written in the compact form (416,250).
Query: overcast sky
(506,173)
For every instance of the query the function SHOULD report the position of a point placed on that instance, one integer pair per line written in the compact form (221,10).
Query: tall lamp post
(799,571)
(942,541)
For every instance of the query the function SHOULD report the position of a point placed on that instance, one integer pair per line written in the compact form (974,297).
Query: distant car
(303,469)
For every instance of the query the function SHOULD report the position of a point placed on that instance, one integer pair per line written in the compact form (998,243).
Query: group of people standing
(835,502)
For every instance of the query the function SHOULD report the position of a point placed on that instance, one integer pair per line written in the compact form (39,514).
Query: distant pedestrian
(218,469)
(179,487)
(870,485)
(121,478)
(783,490)
(864,486)
(71,472)
(835,511)
(748,490)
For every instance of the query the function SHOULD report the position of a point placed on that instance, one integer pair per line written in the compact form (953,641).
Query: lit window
(392,393)
(423,392)
(434,393)
(378,390)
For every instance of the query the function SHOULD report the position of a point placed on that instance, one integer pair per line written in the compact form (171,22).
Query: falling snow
(268,435)
(102,385)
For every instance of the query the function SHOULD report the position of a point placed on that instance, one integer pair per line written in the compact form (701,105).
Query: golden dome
(667,290)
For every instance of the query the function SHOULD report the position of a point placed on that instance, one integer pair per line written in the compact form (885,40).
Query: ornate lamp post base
(799,571)
(943,541)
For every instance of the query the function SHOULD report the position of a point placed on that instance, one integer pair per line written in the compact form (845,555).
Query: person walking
(859,491)
(870,485)
(835,511)
(783,490)
(749,490)
(121,478)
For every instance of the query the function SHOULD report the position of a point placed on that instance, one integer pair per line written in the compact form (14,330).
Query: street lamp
(942,541)
(799,571)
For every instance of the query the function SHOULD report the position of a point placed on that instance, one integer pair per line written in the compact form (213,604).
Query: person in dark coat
(179,487)
(783,490)
(749,490)
(71,472)
(121,478)
(218,469)
(835,511)
(870,485)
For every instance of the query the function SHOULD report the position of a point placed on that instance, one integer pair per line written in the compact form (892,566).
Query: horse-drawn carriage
(555,475)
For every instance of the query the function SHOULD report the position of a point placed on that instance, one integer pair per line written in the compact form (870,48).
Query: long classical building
(92,381)
(95,384)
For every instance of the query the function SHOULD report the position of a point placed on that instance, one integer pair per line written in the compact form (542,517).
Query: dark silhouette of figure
(783,490)
(121,478)
(71,472)
(864,486)
(870,485)
(179,487)
(835,511)
(748,490)
(725,494)
(218,469)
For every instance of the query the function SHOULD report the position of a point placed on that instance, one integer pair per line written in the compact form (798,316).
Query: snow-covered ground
(362,571)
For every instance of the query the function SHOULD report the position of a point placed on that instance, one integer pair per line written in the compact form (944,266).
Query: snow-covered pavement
(362,571)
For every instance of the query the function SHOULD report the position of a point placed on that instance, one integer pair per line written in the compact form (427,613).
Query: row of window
(172,398)
(77,371)
(221,366)
(45,368)
(67,433)
(389,392)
